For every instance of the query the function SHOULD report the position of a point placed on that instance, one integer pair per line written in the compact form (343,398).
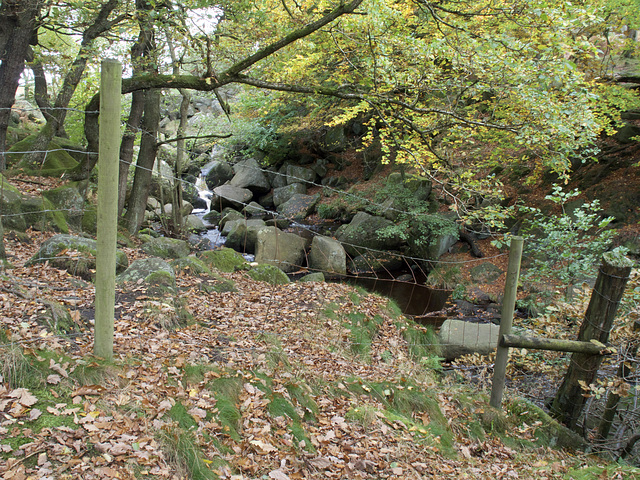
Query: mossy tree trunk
(18,20)
(583,368)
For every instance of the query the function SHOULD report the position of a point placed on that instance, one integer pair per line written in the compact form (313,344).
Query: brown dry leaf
(23,397)
(57,368)
(54,379)
(89,390)
(278,475)
(263,448)
(321,462)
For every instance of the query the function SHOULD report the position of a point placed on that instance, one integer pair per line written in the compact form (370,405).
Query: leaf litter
(263,381)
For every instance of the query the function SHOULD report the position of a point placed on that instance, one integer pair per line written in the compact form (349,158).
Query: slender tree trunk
(146,158)
(126,146)
(18,23)
(58,113)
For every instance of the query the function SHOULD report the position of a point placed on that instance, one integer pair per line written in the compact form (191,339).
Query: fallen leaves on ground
(280,336)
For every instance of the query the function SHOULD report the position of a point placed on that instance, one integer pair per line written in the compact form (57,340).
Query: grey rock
(363,231)
(282,194)
(219,173)
(458,337)
(327,255)
(296,174)
(164,247)
(249,174)
(299,206)
(243,235)
(283,250)
(76,255)
(230,196)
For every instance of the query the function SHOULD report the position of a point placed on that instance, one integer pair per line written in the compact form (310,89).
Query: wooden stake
(108,156)
(506,320)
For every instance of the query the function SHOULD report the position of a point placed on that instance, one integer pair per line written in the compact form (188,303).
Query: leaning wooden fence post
(506,320)
(108,156)
(598,320)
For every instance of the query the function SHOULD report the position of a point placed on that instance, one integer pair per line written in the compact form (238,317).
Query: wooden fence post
(597,323)
(108,156)
(506,320)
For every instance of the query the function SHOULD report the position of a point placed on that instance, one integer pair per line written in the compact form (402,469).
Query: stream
(414,299)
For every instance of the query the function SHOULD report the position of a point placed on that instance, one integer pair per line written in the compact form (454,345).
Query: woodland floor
(266,382)
(285,345)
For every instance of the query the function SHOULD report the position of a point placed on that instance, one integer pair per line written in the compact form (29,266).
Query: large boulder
(327,255)
(268,273)
(76,255)
(220,172)
(68,199)
(283,250)
(164,247)
(20,212)
(297,174)
(432,236)
(458,337)
(243,235)
(282,194)
(195,224)
(364,231)
(335,139)
(230,196)
(299,206)
(249,174)
(225,259)
(156,274)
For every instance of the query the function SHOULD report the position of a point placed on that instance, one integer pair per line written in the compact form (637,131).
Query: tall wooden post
(108,156)
(598,320)
(506,320)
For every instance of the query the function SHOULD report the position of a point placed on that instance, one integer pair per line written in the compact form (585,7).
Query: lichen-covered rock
(282,194)
(366,231)
(76,255)
(297,174)
(243,235)
(230,196)
(164,247)
(219,173)
(68,199)
(327,255)
(458,337)
(313,277)
(191,265)
(299,206)
(225,259)
(157,276)
(229,215)
(249,174)
(283,250)
(268,273)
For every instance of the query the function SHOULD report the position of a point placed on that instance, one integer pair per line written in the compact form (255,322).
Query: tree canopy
(448,86)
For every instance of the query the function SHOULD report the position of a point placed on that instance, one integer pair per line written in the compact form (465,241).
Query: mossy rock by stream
(268,273)
(56,162)
(225,259)
(77,255)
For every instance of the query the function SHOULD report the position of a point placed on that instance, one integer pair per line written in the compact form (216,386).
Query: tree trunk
(138,52)
(126,146)
(58,113)
(18,22)
(146,158)
(598,320)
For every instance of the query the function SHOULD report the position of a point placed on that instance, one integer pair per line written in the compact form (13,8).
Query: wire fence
(618,373)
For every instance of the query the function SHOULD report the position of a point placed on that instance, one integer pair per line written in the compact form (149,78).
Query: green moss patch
(268,273)
(225,259)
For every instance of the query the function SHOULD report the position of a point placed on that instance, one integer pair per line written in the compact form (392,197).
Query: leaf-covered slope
(309,380)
